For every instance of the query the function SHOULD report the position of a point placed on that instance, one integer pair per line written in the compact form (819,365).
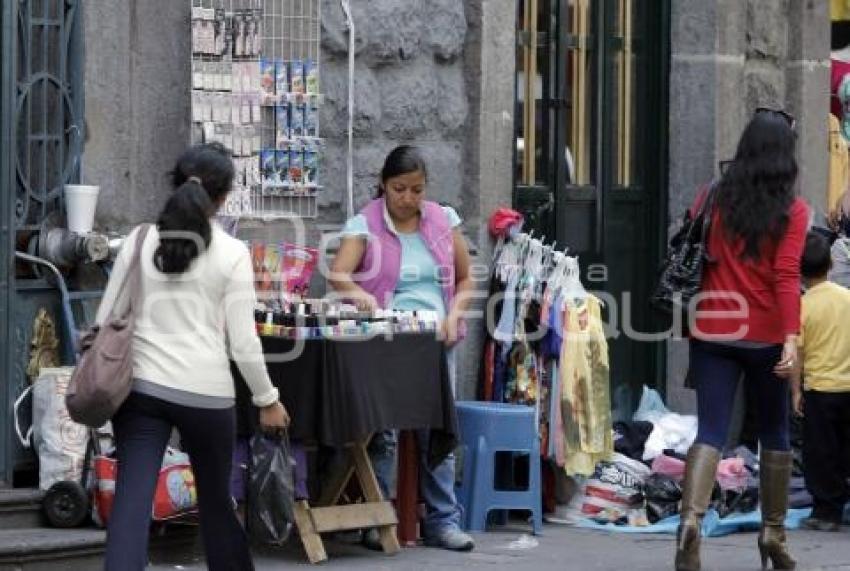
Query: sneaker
(372,539)
(452,539)
(817,524)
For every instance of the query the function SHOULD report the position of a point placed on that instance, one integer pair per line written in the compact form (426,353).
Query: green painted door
(598,173)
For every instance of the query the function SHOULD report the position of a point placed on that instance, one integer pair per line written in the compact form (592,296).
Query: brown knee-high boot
(696,493)
(775,472)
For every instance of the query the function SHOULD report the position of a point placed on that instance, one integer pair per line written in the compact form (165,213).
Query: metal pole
(350,178)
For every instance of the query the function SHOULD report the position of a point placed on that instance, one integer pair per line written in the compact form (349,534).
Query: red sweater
(767,303)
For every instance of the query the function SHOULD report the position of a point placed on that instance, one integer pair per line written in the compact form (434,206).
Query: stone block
(445,28)
(693,27)
(333,173)
(693,112)
(445,163)
(367,107)
(808,30)
(452,102)
(767,29)
(335,30)
(392,30)
(765,86)
(729,106)
(409,99)
(138,104)
(730,27)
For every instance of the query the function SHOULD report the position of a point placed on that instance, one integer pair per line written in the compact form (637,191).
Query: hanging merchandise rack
(255,89)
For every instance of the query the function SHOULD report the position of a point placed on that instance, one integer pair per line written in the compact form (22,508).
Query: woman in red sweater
(747,321)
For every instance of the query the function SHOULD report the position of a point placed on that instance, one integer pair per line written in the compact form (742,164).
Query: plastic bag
(271,490)
(663,494)
(651,407)
(59,441)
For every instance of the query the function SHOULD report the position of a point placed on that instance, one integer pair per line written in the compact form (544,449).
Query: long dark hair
(757,188)
(404,159)
(201,179)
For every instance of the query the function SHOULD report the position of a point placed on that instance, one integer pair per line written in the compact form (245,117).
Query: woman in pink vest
(404,252)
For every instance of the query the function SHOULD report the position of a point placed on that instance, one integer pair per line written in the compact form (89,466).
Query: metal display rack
(255,89)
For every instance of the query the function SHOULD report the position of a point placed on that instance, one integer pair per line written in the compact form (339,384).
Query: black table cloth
(342,390)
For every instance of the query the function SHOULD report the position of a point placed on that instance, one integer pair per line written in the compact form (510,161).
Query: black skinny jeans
(716,370)
(142,428)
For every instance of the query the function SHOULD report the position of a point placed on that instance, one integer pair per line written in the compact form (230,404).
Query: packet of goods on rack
(267,81)
(297,267)
(311,74)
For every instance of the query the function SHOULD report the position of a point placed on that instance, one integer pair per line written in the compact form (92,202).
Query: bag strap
(134,272)
(708,209)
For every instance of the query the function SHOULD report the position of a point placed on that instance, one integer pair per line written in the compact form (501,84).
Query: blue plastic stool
(485,429)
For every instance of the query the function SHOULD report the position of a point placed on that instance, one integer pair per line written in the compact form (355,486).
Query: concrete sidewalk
(563,549)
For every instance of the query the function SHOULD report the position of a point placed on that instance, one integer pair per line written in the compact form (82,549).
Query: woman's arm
(463,288)
(347,260)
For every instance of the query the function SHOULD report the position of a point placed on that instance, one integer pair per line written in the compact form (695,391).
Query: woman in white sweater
(195,312)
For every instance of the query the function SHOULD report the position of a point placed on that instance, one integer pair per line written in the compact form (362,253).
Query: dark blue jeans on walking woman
(142,428)
(716,369)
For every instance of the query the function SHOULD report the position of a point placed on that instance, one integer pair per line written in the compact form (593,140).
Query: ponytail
(184,224)
(202,178)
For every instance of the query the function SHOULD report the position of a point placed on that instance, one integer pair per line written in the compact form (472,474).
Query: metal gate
(42,133)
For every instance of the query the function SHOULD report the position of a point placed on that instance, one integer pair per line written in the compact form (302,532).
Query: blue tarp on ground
(712,524)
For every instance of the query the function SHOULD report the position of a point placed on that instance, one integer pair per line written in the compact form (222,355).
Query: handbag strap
(134,271)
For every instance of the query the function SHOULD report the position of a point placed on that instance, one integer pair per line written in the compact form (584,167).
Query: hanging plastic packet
(311,73)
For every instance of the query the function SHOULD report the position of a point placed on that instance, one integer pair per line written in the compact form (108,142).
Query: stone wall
(435,73)
(729,57)
(409,87)
(137,85)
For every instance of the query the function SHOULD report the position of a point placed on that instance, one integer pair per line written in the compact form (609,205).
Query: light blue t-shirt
(418,286)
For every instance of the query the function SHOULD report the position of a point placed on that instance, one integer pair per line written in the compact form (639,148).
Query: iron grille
(48,106)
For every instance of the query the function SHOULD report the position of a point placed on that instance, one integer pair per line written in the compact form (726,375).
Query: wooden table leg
(310,539)
(372,492)
(408,489)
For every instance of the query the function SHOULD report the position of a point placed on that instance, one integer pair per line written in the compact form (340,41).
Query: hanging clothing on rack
(548,350)
(585,390)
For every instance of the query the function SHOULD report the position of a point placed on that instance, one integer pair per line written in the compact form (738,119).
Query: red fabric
(770,287)
(502,220)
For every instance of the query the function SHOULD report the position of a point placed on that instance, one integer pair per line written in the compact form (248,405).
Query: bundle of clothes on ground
(640,486)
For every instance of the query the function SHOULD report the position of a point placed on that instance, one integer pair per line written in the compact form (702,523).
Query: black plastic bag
(663,494)
(271,490)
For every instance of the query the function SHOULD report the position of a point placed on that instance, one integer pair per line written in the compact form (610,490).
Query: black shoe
(817,524)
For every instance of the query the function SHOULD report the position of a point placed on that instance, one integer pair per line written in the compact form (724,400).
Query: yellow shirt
(825,338)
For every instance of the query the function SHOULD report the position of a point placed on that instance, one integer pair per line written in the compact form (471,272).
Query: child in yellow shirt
(825,398)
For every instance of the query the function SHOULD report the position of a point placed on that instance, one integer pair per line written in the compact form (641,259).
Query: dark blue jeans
(716,369)
(142,428)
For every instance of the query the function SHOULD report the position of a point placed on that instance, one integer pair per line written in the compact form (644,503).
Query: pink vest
(380,267)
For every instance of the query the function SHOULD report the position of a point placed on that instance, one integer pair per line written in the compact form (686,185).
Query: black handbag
(681,273)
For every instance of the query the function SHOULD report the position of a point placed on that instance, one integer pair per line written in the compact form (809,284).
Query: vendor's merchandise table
(338,393)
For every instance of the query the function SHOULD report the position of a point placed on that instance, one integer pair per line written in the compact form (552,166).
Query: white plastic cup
(80,205)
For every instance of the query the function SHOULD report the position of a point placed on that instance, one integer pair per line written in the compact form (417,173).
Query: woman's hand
(785,367)
(365,301)
(274,418)
(449,329)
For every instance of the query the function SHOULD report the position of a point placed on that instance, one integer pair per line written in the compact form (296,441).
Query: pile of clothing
(641,485)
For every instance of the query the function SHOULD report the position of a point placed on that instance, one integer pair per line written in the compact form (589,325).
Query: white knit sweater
(188,325)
